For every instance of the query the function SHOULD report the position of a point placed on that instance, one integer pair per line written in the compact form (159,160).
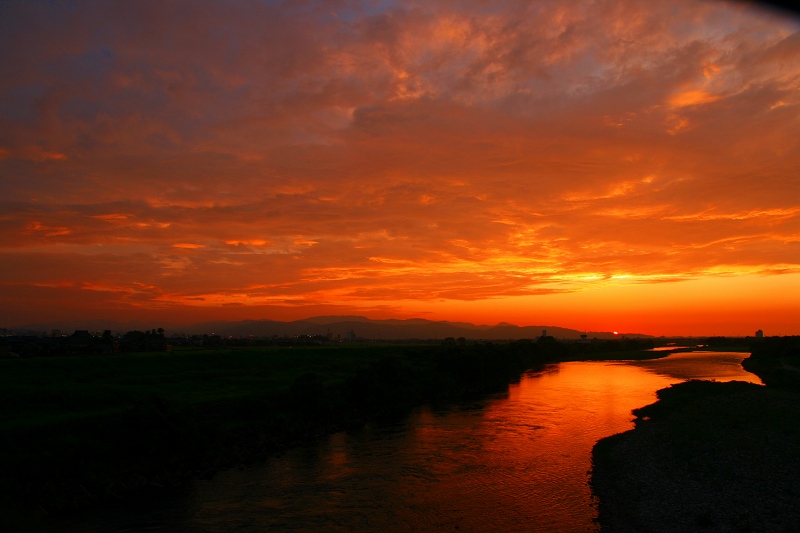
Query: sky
(600,165)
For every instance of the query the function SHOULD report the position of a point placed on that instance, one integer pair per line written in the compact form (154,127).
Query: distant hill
(338,327)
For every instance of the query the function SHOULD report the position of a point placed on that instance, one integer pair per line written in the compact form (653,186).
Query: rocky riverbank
(707,457)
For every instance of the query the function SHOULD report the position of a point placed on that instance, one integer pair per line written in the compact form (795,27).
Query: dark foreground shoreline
(709,457)
(76,432)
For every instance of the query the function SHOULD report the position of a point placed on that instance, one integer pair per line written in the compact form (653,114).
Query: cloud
(397,150)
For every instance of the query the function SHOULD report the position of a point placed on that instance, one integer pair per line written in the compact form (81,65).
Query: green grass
(46,391)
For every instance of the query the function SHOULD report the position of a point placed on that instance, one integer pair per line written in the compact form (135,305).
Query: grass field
(39,392)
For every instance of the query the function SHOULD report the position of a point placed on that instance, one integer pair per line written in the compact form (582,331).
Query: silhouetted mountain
(335,319)
(337,327)
(415,328)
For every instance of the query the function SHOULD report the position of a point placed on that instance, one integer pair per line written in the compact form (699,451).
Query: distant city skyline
(594,165)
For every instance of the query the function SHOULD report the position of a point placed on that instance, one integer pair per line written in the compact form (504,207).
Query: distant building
(759,334)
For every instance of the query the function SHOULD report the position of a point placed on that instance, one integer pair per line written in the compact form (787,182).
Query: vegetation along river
(518,461)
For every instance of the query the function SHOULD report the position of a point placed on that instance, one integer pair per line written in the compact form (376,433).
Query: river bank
(708,456)
(79,431)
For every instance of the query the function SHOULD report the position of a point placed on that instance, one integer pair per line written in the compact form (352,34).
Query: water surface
(512,462)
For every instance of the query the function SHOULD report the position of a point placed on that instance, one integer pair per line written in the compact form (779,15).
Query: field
(40,392)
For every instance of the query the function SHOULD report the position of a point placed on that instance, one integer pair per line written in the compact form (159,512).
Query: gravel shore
(713,457)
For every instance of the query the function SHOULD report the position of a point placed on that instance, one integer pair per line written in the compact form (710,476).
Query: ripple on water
(514,462)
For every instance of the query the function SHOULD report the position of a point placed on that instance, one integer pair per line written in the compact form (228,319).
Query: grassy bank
(709,456)
(78,430)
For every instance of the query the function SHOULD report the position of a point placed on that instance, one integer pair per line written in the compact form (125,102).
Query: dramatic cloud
(533,162)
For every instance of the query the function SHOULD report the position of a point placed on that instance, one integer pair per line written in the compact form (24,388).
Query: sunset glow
(598,165)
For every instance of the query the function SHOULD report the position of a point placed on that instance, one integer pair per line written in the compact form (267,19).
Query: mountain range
(339,327)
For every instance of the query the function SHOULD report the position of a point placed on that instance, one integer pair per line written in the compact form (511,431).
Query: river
(513,462)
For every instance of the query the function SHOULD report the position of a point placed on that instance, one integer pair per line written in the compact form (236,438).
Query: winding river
(512,462)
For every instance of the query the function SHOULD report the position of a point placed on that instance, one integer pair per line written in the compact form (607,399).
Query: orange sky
(598,165)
